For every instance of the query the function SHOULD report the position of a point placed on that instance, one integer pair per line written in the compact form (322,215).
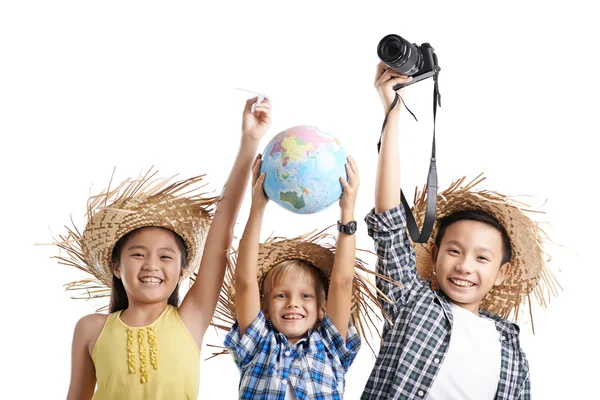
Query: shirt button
(437,360)
(503,338)
(420,393)
(284,382)
(287,353)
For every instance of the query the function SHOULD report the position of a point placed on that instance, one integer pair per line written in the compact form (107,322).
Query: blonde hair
(302,270)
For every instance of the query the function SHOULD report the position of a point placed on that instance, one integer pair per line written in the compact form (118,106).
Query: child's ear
(434,255)
(435,251)
(502,274)
(117,270)
(264,307)
(322,311)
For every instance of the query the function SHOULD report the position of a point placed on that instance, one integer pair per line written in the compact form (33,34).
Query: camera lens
(391,48)
(398,54)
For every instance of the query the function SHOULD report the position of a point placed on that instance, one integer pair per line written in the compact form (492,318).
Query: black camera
(405,58)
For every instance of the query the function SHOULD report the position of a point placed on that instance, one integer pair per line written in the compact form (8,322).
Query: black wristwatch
(348,229)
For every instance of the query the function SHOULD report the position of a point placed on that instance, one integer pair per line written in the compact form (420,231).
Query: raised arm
(387,226)
(247,292)
(199,305)
(339,297)
(387,183)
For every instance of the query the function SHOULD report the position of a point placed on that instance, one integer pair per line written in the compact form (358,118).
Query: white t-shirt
(289,393)
(471,368)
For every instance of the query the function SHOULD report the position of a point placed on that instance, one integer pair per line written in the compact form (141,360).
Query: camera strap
(432,182)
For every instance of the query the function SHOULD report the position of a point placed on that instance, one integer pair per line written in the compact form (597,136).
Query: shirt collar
(308,341)
(502,325)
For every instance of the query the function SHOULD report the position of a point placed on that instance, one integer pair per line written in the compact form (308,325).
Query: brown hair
(118,295)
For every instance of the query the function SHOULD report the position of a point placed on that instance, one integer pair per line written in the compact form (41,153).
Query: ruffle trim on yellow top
(144,336)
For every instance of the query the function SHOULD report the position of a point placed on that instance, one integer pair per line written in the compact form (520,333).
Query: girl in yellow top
(141,239)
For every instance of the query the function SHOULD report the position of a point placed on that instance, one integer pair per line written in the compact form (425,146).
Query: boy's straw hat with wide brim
(136,203)
(318,250)
(529,274)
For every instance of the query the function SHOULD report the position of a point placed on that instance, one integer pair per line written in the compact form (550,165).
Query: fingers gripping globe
(303,166)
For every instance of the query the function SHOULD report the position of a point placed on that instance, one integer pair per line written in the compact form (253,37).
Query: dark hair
(480,216)
(118,296)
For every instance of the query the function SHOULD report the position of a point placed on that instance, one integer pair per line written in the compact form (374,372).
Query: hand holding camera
(385,81)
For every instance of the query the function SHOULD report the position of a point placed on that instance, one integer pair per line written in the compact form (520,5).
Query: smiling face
(469,262)
(294,298)
(150,265)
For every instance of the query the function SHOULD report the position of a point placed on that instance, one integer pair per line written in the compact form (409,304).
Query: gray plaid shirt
(415,346)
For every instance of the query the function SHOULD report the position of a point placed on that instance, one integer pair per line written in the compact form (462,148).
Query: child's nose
(292,301)
(151,264)
(464,266)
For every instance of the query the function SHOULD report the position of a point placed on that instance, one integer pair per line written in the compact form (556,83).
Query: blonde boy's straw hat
(529,274)
(318,250)
(135,203)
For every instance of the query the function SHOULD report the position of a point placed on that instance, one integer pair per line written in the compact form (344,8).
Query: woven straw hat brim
(134,204)
(529,273)
(318,250)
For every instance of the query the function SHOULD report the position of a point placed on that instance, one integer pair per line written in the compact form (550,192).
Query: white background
(87,86)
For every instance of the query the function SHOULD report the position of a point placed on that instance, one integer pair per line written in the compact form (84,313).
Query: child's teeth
(150,280)
(462,283)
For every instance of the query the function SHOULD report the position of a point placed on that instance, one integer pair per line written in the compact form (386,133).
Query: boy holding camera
(448,337)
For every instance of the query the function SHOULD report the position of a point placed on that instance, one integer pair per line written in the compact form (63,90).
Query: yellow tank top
(158,361)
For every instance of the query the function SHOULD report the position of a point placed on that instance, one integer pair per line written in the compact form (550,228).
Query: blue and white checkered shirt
(415,345)
(314,367)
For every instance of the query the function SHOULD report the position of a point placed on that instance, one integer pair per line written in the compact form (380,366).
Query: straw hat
(135,203)
(528,274)
(318,250)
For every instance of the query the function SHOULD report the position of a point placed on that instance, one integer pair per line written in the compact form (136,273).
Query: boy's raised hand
(256,123)
(259,198)
(385,80)
(350,187)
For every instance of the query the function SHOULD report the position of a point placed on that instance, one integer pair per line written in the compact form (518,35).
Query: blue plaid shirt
(315,366)
(415,345)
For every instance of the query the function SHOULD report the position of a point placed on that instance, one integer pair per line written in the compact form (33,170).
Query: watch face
(352,227)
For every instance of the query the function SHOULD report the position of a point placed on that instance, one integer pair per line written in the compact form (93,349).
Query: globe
(303,165)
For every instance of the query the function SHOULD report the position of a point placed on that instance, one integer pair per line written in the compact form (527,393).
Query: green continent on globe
(282,176)
(292,197)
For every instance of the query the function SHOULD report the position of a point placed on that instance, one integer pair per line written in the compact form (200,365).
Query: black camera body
(405,58)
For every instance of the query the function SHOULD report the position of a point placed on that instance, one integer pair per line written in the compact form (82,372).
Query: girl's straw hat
(528,274)
(317,250)
(135,203)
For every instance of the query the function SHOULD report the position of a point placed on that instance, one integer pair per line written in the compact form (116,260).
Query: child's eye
(482,258)
(137,255)
(453,251)
(167,257)
(280,296)
(307,296)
